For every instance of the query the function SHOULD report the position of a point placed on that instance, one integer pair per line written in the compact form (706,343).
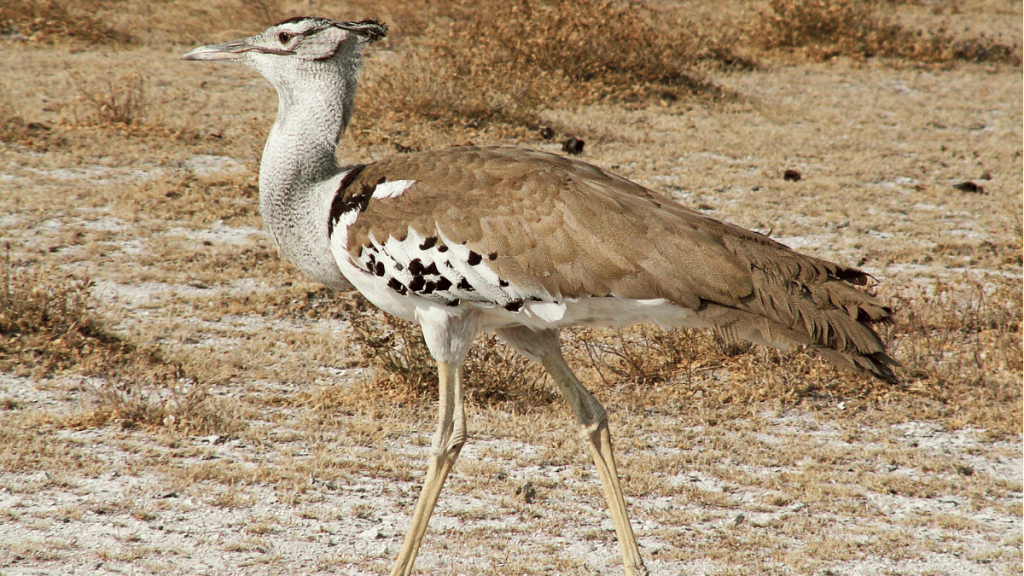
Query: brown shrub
(791,23)
(502,62)
(826,28)
(570,49)
(50,21)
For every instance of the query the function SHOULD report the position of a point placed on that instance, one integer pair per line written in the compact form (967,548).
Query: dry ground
(174,399)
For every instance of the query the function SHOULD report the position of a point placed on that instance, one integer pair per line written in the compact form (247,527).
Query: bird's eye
(284,37)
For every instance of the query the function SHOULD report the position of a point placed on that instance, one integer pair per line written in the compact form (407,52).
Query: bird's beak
(226,51)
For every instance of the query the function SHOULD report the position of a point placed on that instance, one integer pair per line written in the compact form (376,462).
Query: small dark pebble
(791,175)
(970,187)
(547,133)
(573,146)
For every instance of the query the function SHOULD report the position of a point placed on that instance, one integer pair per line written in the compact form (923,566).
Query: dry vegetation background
(175,399)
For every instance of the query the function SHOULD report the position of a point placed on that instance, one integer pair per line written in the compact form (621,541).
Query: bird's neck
(311,117)
(298,163)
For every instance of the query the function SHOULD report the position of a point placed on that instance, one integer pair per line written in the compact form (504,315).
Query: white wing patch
(447,272)
(391,189)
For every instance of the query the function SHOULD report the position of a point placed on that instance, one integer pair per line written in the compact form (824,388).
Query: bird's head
(296,42)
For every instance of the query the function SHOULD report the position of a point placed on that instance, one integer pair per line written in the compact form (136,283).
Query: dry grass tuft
(407,374)
(121,103)
(51,21)
(119,100)
(642,355)
(824,29)
(166,399)
(961,347)
(405,371)
(12,125)
(47,324)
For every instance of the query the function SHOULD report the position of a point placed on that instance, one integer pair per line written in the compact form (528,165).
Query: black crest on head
(369,30)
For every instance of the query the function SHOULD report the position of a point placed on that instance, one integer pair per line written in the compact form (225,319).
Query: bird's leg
(448,441)
(543,346)
(593,423)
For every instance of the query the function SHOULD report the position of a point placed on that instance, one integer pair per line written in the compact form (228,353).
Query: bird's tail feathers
(830,317)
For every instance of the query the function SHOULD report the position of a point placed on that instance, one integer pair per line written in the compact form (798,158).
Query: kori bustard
(520,243)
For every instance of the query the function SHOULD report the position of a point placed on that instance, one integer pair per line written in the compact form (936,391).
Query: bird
(520,243)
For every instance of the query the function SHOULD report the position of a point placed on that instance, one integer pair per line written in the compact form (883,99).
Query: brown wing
(571,230)
(564,226)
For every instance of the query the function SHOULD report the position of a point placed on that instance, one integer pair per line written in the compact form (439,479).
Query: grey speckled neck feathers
(298,169)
